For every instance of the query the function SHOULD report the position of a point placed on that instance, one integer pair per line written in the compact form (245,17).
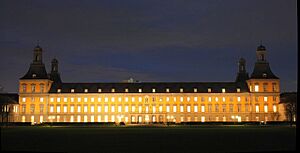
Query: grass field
(137,139)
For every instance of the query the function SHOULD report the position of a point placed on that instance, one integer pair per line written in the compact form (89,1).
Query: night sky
(154,40)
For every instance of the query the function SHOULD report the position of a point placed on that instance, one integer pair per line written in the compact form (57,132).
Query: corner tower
(264,88)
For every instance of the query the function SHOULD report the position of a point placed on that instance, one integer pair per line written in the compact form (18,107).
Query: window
(181,108)
(202,108)
(188,108)
(32,87)
(217,99)
(202,99)
(256,87)
(196,108)
(238,99)
(23,99)
(72,90)
(32,108)
(72,99)
(99,90)
(167,99)
(72,109)
(99,108)
(79,99)
(65,108)
(223,90)
(154,109)
(181,99)
(58,109)
(92,109)
(126,89)
(113,90)
(256,108)
(86,90)
(140,108)
(247,108)
(42,87)
(195,90)
(160,108)
(133,108)
(209,99)
(78,109)
(23,87)
(174,108)
(105,108)
(51,108)
(209,90)
(41,108)
(59,90)
(223,99)
(126,99)
(274,108)
(140,99)
(266,108)
(126,108)
(41,99)
(239,108)
(119,108)
(216,108)
(274,89)
(231,108)
(92,99)
(195,98)
(58,99)
(112,109)
(167,90)
(132,99)
(223,108)
(105,99)
(256,99)
(238,89)
(188,99)
(153,90)
(265,85)
(181,89)
(209,108)
(265,99)
(140,90)
(112,99)
(65,99)
(168,108)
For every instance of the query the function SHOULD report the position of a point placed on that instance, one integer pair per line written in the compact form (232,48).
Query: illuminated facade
(45,97)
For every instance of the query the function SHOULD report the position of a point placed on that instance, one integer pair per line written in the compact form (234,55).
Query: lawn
(155,139)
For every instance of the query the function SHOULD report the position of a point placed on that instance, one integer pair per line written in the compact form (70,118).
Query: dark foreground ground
(149,139)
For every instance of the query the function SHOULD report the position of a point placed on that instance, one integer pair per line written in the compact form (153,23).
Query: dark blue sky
(154,40)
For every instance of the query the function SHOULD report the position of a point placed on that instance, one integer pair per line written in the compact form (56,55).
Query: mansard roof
(262,70)
(146,87)
(9,98)
(36,71)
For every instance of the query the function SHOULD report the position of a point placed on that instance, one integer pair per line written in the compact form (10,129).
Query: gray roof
(262,70)
(160,87)
(38,70)
(9,98)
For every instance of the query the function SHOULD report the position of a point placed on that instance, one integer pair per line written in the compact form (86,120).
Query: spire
(261,53)
(54,75)
(37,54)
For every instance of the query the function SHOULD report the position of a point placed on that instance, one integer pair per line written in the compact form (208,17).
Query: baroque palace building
(45,97)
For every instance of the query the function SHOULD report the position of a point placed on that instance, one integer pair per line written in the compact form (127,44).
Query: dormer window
(209,90)
(181,89)
(140,90)
(238,89)
(72,90)
(99,90)
(264,75)
(33,75)
(195,90)
(59,90)
(223,90)
(167,90)
(113,90)
(126,89)
(86,90)
(153,90)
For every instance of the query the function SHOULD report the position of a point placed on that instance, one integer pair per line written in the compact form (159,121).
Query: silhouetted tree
(289,99)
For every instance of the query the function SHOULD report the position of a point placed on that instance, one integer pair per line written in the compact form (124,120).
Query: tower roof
(262,71)
(261,48)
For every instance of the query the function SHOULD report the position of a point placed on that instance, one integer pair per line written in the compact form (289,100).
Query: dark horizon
(169,41)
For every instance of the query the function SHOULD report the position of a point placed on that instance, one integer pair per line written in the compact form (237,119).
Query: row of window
(133,118)
(264,87)
(146,99)
(147,109)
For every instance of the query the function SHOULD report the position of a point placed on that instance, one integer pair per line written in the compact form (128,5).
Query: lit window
(58,90)
(202,118)
(99,90)
(196,108)
(223,90)
(167,99)
(126,99)
(92,118)
(154,109)
(72,90)
(147,109)
(51,99)
(79,99)
(140,109)
(238,99)
(238,90)
(132,99)
(181,89)
(181,99)
(65,99)
(92,99)
(188,108)
(58,99)
(132,108)
(195,98)
(167,90)
(92,109)
(209,90)
(168,109)
(72,109)
(58,109)
(140,90)
(113,90)
(78,109)
(78,118)
(217,99)
(256,87)
(42,87)
(65,109)
(174,99)
(23,99)
(140,99)
(51,109)
(119,99)
(86,90)
(160,108)
(274,108)
(126,90)
(72,99)
(174,108)
(24,88)
(153,90)
(119,108)
(105,99)
(202,108)
(99,99)
(112,109)
(209,99)
(266,108)
(105,108)
(113,99)
(41,99)
(126,108)
(265,99)
(195,90)
(99,108)
(188,99)
(181,108)
(256,108)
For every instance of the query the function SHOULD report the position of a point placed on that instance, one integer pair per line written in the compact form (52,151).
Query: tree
(289,99)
